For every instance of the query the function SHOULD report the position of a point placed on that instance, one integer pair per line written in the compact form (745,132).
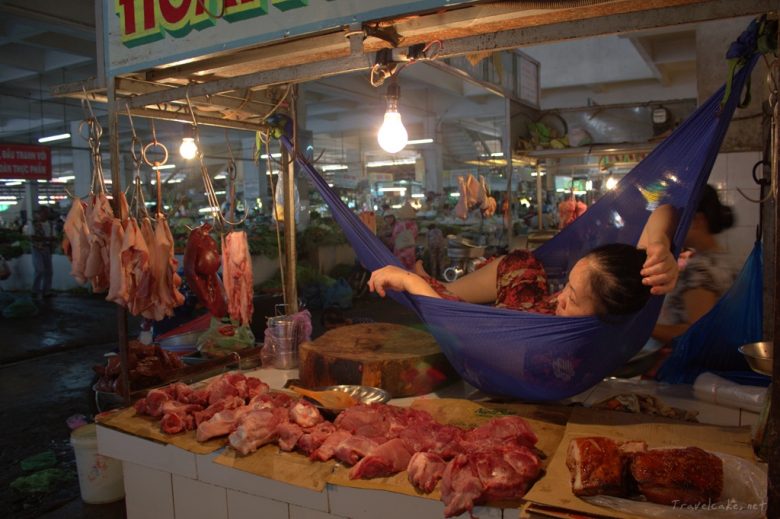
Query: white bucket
(100,477)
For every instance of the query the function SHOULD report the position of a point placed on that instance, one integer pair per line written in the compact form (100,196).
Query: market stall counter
(168,476)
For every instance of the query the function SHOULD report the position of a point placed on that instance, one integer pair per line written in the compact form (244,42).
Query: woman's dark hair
(616,281)
(719,217)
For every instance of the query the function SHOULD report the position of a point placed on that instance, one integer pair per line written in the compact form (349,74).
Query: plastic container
(100,477)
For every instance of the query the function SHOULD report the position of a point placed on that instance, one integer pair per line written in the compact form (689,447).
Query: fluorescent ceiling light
(497,154)
(208,210)
(42,181)
(52,138)
(7,197)
(401,190)
(14,183)
(273,155)
(420,141)
(64,178)
(418,195)
(164,166)
(221,176)
(399,162)
(334,167)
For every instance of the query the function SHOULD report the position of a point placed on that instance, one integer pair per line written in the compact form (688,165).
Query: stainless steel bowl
(758,356)
(362,394)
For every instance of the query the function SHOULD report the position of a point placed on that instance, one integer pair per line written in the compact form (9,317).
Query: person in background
(437,250)
(611,280)
(405,236)
(708,272)
(42,235)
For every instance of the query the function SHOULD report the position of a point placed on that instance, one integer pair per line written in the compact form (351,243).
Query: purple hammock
(542,357)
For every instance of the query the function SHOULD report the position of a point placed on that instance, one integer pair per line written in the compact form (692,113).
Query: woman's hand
(660,269)
(400,280)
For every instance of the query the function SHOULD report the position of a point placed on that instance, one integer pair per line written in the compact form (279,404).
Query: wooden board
(126,420)
(554,489)
(399,359)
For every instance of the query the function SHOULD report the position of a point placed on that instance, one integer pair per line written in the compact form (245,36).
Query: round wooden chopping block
(401,360)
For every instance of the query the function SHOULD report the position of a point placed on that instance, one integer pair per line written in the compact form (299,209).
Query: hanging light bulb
(392,135)
(188,148)
(611,182)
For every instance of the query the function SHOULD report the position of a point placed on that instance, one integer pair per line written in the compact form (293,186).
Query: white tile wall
(131,448)
(246,506)
(377,504)
(227,477)
(297,512)
(732,171)
(195,500)
(148,492)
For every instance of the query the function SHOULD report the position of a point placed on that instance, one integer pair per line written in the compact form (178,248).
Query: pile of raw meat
(674,477)
(495,461)
(133,262)
(147,365)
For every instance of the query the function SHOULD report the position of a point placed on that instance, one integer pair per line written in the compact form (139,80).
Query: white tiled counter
(166,482)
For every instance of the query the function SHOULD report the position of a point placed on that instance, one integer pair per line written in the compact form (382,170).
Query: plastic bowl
(758,356)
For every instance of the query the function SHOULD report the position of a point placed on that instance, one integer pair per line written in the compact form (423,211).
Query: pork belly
(687,476)
(596,467)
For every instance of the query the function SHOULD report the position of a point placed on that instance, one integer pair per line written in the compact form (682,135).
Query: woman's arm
(476,287)
(660,270)
(400,280)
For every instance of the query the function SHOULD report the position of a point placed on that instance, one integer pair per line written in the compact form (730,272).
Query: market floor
(45,378)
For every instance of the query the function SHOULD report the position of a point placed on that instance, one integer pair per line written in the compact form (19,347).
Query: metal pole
(773,427)
(540,205)
(508,145)
(288,169)
(116,190)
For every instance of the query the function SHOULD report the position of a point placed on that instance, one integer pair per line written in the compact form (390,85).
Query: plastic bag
(278,213)
(711,343)
(223,338)
(743,496)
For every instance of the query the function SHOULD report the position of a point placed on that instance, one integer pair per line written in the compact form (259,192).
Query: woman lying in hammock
(614,279)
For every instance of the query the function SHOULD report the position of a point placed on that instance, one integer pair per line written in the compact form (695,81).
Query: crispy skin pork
(687,476)
(596,467)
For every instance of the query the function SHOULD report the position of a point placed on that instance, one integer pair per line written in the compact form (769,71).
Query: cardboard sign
(25,162)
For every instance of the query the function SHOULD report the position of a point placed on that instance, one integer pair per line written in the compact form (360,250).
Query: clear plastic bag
(743,496)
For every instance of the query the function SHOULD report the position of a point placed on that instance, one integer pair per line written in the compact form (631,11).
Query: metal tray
(363,394)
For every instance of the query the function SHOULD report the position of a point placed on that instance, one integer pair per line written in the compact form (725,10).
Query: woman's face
(575,300)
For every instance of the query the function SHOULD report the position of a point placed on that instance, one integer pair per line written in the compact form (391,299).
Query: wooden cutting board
(401,360)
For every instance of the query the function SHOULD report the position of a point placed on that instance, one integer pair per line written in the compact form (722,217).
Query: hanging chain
(137,201)
(92,135)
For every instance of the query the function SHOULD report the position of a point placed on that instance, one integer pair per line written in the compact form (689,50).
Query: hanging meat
(117,286)
(201,263)
(237,276)
(100,219)
(165,280)
(75,244)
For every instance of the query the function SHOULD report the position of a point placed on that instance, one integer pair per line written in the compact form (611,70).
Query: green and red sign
(141,34)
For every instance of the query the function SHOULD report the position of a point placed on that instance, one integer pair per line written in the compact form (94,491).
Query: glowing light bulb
(392,135)
(188,148)
(611,183)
